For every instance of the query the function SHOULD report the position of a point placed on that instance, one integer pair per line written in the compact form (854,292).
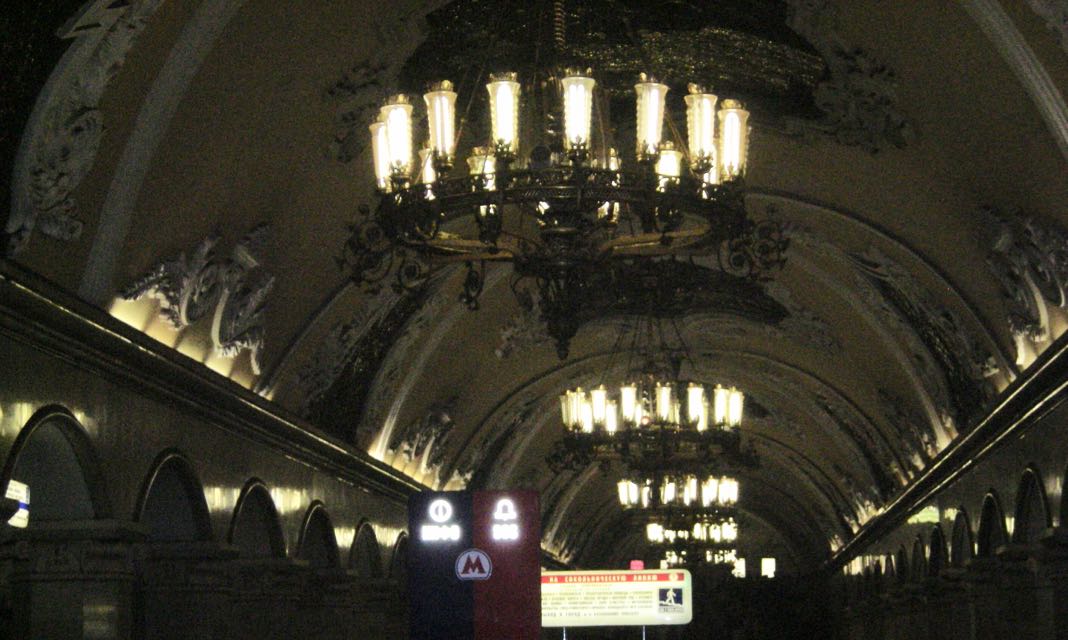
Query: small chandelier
(562,213)
(703,532)
(678,490)
(691,557)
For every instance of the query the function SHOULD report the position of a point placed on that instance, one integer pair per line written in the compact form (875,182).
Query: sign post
(474,564)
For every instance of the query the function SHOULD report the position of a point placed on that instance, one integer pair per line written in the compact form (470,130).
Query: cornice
(37,312)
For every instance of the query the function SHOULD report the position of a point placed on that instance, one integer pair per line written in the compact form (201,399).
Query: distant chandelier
(678,490)
(567,210)
(703,532)
(690,557)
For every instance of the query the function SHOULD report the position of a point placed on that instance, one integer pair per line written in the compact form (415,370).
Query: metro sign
(474,564)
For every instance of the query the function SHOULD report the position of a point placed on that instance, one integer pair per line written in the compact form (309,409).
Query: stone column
(71,579)
(1053,561)
(949,615)
(981,580)
(327,608)
(266,595)
(381,609)
(187,590)
(1024,593)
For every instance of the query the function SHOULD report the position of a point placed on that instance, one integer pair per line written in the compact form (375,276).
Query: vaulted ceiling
(915,154)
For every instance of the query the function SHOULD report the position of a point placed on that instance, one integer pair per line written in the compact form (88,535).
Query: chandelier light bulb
(650,117)
(577,90)
(483,163)
(441,121)
(599,401)
(721,402)
(663,401)
(628,403)
(735,402)
(611,420)
(695,401)
(700,129)
(504,113)
(733,139)
(668,165)
(380,155)
(397,116)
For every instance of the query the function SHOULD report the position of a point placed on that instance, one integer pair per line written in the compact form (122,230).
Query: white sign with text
(616,598)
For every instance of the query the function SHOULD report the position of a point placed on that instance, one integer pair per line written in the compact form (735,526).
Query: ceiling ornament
(357,94)
(569,215)
(1029,258)
(233,290)
(858,97)
(1055,13)
(64,133)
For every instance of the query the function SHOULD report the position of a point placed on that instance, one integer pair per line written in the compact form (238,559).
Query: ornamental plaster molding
(421,439)
(66,127)
(895,332)
(859,97)
(999,28)
(315,377)
(357,95)
(1055,14)
(962,359)
(234,290)
(1029,259)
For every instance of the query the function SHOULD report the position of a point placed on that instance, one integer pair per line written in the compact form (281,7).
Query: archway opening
(365,557)
(318,544)
(255,529)
(173,507)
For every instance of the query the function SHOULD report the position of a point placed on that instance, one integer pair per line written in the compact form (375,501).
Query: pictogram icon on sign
(473,564)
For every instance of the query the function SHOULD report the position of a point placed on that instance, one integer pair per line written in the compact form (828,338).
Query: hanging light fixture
(703,532)
(559,205)
(678,490)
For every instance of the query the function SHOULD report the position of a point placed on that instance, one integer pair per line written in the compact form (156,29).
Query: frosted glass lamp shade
(441,121)
(578,110)
(504,113)
(733,139)
(650,116)
(397,116)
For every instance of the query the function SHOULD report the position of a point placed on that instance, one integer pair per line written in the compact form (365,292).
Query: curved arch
(54,456)
(318,544)
(901,563)
(936,559)
(172,501)
(398,562)
(918,569)
(991,526)
(1032,511)
(365,557)
(962,544)
(255,528)
(890,566)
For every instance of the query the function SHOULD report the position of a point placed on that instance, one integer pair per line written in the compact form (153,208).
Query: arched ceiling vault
(916,156)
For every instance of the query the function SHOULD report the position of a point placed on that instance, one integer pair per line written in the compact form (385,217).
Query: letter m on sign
(473,564)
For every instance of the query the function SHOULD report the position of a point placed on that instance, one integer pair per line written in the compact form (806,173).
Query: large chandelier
(682,490)
(561,205)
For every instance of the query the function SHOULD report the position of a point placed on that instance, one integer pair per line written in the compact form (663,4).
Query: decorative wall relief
(965,363)
(64,134)
(426,437)
(362,89)
(1029,258)
(1055,14)
(188,288)
(859,94)
(315,377)
(337,384)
